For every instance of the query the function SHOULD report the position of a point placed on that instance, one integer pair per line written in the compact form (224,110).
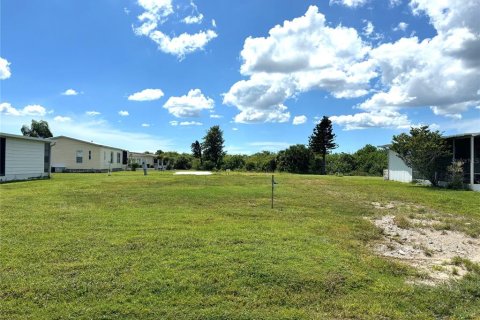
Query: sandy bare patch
(427,249)
(378,205)
(417,242)
(195,173)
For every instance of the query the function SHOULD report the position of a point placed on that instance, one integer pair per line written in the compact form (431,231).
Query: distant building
(23,158)
(73,155)
(139,158)
(464,147)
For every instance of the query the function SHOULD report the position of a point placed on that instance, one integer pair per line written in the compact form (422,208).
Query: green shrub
(250,166)
(183,162)
(196,164)
(455,175)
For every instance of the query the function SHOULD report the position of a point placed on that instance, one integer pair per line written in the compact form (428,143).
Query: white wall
(141,158)
(24,159)
(397,169)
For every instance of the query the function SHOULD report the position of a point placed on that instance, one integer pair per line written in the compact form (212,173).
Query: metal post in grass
(273,185)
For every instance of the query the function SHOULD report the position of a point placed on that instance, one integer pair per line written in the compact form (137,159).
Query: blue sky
(156,74)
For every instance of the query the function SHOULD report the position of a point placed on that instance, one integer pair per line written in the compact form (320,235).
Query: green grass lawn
(126,246)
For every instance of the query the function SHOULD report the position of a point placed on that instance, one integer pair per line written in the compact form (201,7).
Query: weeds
(403,222)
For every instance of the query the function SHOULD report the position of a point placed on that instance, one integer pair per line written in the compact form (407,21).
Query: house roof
(91,143)
(474,134)
(460,135)
(16,136)
(141,154)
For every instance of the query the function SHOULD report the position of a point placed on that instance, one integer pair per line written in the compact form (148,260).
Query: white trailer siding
(24,159)
(397,169)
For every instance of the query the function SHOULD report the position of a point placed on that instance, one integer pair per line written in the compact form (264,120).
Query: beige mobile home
(23,158)
(73,155)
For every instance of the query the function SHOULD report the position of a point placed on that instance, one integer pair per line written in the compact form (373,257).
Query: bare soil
(417,243)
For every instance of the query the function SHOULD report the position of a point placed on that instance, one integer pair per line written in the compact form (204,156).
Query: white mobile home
(23,158)
(149,159)
(464,147)
(73,155)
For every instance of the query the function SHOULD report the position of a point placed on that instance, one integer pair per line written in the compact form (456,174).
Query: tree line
(368,160)
(316,157)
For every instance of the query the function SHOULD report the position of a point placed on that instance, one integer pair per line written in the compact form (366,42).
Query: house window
(46,159)
(111,157)
(118,157)
(2,156)
(89,154)
(79,156)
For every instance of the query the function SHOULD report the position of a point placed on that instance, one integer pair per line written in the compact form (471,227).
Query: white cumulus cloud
(5,72)
(364,120)
(155,14)
(146,95)
(183,44)
(70,92)
(34,110)
(145,125)
(193,19)
(299,120)
(123,113)
(301,55)
(402,26)
(185,123)
(92,113)
(190,123)
(29,110)
(7,109)
(189,105)
(368,29)
(162,8)
(440,73)
(349,3)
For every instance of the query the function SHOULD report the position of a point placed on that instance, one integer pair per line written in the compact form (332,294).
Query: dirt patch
(415,241)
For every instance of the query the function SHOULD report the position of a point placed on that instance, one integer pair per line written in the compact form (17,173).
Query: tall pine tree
(197,150)
(212,146)
(322,140)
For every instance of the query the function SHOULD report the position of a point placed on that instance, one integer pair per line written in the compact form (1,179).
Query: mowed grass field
(128,246)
